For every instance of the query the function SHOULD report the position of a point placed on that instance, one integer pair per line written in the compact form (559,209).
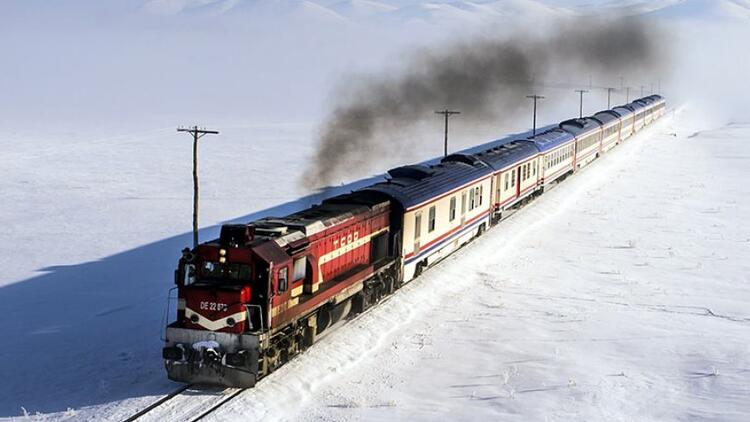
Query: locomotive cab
(223,300)
(222,289)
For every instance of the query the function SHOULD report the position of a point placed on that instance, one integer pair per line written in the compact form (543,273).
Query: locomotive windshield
(227,273)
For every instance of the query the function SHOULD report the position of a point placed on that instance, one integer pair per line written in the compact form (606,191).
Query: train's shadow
(87,334)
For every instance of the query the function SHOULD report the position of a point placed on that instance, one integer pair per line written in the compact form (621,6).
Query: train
(264,291)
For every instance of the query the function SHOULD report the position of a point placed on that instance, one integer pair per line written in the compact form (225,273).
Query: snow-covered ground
(620,295)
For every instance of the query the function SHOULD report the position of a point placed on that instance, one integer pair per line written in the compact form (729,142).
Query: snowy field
(619,295)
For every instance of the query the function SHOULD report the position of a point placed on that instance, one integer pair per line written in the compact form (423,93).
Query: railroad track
(186,403)
(182,403)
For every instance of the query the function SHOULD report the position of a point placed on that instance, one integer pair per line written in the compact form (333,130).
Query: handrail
(165,316)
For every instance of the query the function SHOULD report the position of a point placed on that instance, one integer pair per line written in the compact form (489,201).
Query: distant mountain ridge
(453,10)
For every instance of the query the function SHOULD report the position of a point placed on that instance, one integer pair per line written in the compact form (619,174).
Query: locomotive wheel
(324,319)
(358,303)
(387,284)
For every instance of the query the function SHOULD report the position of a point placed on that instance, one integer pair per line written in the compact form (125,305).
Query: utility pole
(447,113)
(609,97)
(580,108)
(535,98)
(659,87)
(641,91)
(627,94)
(197,134)
(622,83)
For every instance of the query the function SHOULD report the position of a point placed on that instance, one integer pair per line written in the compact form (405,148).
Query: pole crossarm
(447,113)
(197,133)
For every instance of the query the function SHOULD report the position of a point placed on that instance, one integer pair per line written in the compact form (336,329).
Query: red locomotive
(260,293)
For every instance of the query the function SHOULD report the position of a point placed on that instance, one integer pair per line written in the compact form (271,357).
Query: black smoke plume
(486,78)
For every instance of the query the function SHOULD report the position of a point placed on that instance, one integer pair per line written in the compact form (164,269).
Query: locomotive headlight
(222,259)
(222,252)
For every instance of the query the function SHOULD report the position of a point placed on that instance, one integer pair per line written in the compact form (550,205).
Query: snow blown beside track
(618,295)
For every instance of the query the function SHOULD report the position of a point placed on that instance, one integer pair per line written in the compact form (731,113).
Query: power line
(197,134)
(447,113)
(535,98)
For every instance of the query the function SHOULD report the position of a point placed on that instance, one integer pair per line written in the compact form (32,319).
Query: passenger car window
(431,220)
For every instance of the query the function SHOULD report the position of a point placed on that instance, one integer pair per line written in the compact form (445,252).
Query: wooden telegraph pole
(580,107)
(197,134)
(535,98)
(447,113)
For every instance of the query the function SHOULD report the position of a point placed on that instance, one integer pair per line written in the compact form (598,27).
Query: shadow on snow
(88,334)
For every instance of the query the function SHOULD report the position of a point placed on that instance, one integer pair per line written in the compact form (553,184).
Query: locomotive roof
(320,217)
(580,126)
(412,185)
(501,156)
(606,116)
(551,139)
